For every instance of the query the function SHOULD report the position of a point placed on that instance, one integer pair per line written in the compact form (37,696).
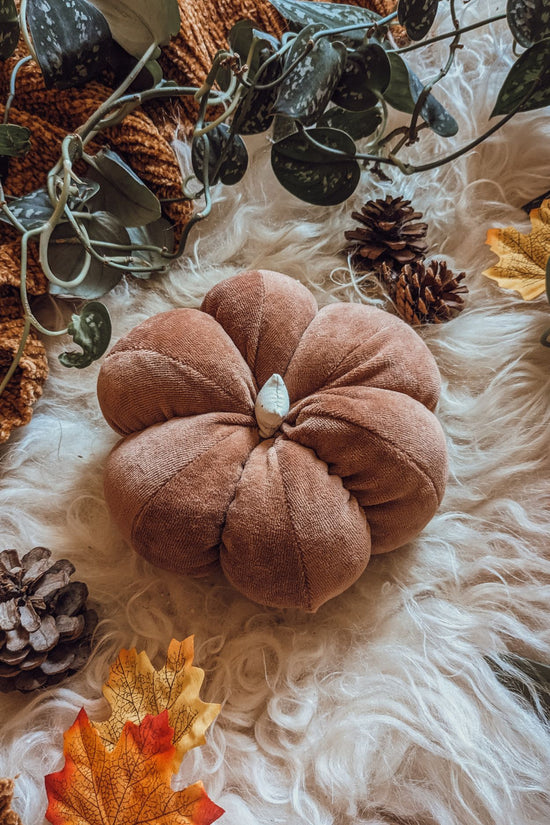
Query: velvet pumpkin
(357,465)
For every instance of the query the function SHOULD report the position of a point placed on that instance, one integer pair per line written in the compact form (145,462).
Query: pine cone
(388,235)
(45,628)
(425,293)
(7,816)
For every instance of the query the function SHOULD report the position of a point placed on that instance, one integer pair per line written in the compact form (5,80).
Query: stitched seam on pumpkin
(307,586)
(234,496)
(402,454)
(172,477)
(260,324)
(207,380)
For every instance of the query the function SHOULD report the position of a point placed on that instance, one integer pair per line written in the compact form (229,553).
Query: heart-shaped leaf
(532,67)
(91,330)
(14,140)
(332,15)
(255,112)
(367,71)
(529,20)
(358,125)
(235,161)
(122,64)
(136,24)
(66,256)
(122,192)
(70,39)
(34,209)
(305,92)
(417,16)
(314,175)
(9,28)
(161,234)
(405,89)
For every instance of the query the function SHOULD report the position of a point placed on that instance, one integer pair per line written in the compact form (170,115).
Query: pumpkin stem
(272,405)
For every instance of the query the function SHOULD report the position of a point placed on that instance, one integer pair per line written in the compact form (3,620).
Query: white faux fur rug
(381,707)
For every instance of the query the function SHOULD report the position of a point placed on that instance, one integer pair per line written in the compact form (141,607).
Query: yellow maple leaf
(125,786)
(135,689)
(523,258)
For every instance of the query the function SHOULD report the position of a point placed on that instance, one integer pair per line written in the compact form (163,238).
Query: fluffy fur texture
(381,707)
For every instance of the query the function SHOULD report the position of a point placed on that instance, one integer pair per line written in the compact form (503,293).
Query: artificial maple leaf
(7,816)
(523,258)
(135,689)
(127,786)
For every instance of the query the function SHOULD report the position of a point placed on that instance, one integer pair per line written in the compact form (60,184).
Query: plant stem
(13,79)
(17,357)
(85,131)
(200,215)
(23,288)
(423,96)
(408,169)
(445,36)
(376,24)
(24,29)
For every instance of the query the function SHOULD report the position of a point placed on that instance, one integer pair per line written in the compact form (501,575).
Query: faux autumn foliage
(135,689)
(120,771)
(128,785)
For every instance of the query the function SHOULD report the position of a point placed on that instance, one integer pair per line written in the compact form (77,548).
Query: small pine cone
(45,627)
(389,234)
(425,293)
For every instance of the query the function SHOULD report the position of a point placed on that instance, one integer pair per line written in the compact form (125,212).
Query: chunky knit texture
(143,140)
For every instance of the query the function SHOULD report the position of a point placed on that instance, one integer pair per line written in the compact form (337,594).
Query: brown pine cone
(425,293)
(45,627)
(389,234)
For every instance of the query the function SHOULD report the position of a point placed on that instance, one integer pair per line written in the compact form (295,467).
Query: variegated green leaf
(530,71)
(159,233)
(529,20)
(367,72)
(14,140)
(403,92)
(255,112)
(122,192)
(316,175)
(66,256)
(9,28)
(333,15)
(34,209)
(417,16)
(305,92)
(70,39)
(358,125)
(136,24)
(235,160)
(91,330)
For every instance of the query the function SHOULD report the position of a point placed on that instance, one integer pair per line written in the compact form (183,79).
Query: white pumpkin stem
(272,406)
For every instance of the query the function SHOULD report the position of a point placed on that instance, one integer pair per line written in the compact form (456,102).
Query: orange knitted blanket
(143,140)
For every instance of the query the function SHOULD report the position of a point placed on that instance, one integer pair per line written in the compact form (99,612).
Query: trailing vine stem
(421,43)
(423,96)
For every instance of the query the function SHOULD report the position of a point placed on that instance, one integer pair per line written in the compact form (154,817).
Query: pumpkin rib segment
(408,460)
(111,396)
(141,513)
(307,586)
(174,360)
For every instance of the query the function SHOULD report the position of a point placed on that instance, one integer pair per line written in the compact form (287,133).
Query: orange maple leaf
(135,689)
(523,258)
(127,786)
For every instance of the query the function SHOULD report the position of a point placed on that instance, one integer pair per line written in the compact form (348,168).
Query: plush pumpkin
(283,442)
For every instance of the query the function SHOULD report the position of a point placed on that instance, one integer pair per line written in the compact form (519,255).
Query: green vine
(322,89)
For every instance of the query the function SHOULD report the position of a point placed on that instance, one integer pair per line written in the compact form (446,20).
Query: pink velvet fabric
(358,466)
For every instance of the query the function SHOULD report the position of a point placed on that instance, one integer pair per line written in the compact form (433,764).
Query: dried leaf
(7,816)
(135,689)
(131,784)
(523,258)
